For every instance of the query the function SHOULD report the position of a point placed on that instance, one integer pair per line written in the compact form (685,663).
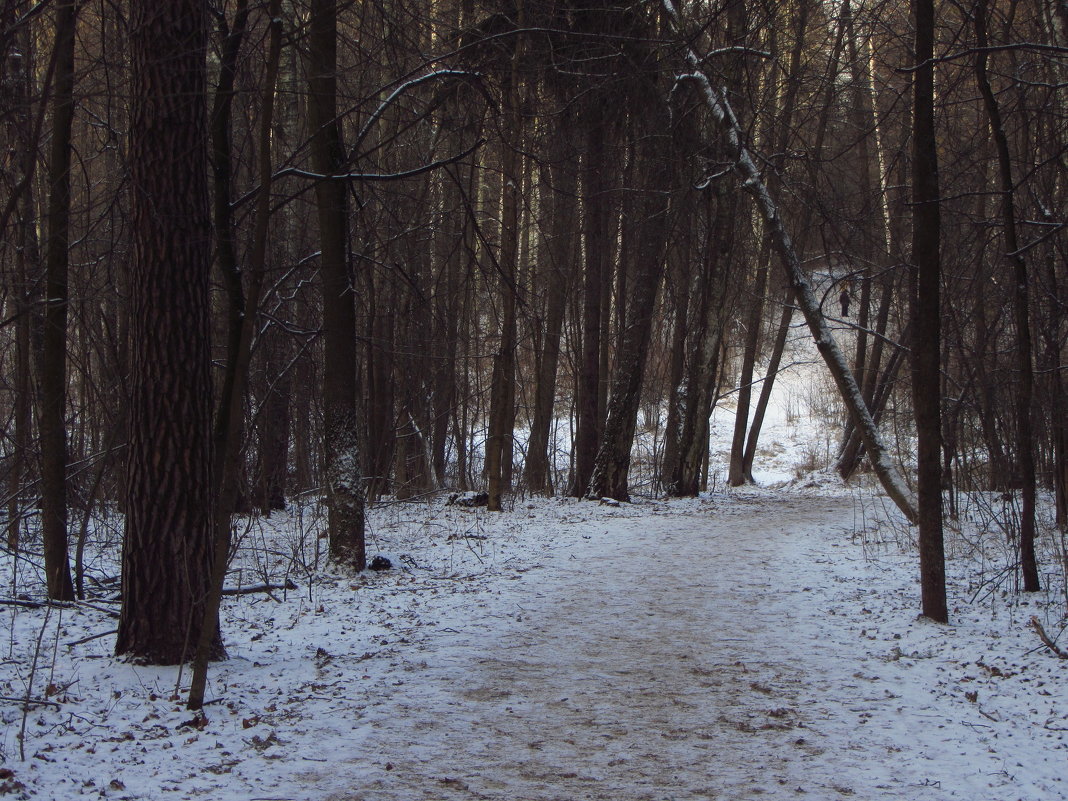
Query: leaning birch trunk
(832,355)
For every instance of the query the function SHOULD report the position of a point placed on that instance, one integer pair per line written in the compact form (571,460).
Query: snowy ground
(757,643)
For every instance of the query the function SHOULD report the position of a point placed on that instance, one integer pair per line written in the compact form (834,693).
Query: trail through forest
(748,644)
(704,655)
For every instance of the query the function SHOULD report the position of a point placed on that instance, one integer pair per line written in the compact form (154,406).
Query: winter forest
(534,399)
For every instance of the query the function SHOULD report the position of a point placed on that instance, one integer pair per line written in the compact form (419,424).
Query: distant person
(844,299)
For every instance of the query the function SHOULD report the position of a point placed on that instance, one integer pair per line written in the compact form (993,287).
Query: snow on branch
(375,176)
(832,354)
(393,96)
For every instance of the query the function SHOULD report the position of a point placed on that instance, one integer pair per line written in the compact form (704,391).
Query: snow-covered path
(754,644)
(669,657)
(648,664)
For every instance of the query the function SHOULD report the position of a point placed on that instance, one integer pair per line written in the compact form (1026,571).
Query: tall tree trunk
(559,250)
(502,389)
(53,368)
(344,487)
(1025,446)
(612,465)
(167,548)
(681,284)
(703,375)
(738,33)
(244,313)
(926,318)
(15,107)
(596,212)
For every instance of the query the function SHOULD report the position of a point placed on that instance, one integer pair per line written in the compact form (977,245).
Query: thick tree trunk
(167,549)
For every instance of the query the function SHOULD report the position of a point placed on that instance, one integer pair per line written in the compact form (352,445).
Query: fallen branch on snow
(91,637)
(27,604)
(289,585)
(36,701)
(1041,632)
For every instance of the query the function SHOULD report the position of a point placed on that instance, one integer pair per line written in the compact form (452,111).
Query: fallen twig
(29,701)
(27,604)
(289,585)
(1041,632)
(91,637)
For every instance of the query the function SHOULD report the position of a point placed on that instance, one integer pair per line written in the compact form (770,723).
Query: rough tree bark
(167,553)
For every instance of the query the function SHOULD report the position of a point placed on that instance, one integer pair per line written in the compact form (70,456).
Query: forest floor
(749,644)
